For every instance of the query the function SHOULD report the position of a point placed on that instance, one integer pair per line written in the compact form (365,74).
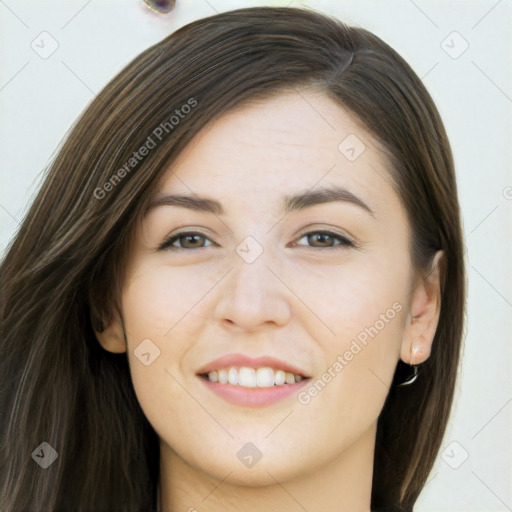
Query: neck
(343,484)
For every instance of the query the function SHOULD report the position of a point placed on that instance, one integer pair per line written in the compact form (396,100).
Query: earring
(411,378)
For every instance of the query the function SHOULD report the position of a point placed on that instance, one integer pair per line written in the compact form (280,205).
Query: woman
(262,366)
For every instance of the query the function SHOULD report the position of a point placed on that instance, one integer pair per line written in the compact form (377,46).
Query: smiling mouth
(264,377)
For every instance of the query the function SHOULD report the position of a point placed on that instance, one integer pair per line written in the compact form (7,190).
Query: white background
(41,98)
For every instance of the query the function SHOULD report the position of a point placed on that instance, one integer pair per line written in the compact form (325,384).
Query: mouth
(263,377)
(252,382)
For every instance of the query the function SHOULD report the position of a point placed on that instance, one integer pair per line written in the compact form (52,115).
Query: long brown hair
(63,271)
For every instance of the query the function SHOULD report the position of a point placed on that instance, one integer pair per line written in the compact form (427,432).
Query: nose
(253,295)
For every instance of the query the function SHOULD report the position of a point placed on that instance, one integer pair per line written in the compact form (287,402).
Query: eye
(324,238)
(193,240)
(188,240)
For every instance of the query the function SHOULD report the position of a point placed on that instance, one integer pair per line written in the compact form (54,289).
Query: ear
(112,338)
(423,316)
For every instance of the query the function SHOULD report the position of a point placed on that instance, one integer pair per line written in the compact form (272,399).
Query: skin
(302,300)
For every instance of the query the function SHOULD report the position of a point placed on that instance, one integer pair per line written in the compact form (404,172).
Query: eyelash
(167,243)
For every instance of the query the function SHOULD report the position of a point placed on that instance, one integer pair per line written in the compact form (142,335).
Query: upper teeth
(250,378)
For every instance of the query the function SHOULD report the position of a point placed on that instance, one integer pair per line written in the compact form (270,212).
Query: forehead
(264,150)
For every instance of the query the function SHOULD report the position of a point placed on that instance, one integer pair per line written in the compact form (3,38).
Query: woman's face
(258,279)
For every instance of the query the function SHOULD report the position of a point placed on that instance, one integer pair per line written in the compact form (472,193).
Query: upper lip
(239,360)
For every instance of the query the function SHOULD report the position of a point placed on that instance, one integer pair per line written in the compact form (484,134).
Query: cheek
(363,307)
(348,395)
(345,300)
(157,306)
(159,300)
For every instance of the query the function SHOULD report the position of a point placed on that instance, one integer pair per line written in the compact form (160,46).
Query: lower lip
(253,397)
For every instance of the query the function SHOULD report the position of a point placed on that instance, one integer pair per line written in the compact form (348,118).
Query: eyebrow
(294,202)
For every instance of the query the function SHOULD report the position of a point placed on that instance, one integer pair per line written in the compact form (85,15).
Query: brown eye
(326,239)
(189,240)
